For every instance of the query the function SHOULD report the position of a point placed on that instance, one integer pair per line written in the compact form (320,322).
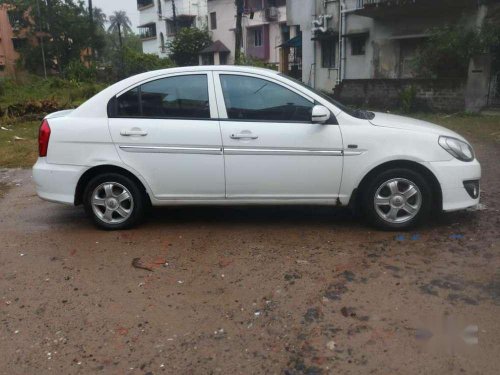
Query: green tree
(67,32)
(187,45)
(448,50)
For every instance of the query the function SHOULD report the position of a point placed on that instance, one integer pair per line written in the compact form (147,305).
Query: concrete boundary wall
(440,95)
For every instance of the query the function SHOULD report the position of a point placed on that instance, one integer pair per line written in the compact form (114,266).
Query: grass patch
(474,127)
(27,88)
(15,152)
(18,144)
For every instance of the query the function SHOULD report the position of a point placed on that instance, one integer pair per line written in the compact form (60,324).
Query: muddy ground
(248,290)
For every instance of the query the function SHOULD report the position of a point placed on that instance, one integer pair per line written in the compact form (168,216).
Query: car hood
(407,123)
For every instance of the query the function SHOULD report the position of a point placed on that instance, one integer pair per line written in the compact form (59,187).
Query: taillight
(43,139)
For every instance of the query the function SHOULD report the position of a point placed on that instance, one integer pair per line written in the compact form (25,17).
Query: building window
(257,37)
(182,23)
(328,53)
(358,45)
(19,43)
(147,31)
(144,3)
(170,28)
(163,48)
(213,20)
(253,5)
(276,3)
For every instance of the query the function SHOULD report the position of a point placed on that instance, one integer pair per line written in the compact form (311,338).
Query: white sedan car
(240,135)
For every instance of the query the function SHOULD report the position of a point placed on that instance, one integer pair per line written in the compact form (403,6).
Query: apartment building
(158,24)
(264,30)
(12,38)
(370,39)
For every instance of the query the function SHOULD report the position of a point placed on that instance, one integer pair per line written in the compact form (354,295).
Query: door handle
(244,136)
(134,132)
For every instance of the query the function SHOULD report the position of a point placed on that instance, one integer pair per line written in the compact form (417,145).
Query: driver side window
(255,99)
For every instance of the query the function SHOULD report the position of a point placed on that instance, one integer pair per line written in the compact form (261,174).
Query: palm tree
(119,21)
(100,18)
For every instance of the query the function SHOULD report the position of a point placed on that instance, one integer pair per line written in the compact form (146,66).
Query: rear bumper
(452,175)
(56,183)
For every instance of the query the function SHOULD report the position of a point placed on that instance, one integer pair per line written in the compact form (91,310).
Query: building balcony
(411,8)
(147,31)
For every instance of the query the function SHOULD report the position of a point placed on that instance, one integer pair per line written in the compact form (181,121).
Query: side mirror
(320,114)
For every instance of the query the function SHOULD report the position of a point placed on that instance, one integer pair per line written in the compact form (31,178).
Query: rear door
(167,130)
(272,149)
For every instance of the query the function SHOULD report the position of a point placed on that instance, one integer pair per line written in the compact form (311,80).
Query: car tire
(397,199)
(114,201)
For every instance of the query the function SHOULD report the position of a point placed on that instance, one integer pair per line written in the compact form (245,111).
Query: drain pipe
(342,42)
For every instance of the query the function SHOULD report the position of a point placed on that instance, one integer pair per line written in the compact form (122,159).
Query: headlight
(459,149)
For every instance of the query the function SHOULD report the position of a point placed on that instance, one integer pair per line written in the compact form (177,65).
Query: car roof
(204,68)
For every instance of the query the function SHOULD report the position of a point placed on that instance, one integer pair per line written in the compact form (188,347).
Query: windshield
(358,113)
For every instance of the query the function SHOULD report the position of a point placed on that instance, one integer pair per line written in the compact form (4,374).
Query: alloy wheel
(112,202)
(398,200)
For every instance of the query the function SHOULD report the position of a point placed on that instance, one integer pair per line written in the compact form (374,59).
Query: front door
(167,131)
(272,150)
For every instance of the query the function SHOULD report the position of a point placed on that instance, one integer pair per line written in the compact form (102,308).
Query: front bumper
(451,176)
(56,183)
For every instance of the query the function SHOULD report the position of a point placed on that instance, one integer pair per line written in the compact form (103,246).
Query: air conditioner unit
(272,13)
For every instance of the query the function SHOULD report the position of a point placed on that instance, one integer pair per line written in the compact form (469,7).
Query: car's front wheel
(114,201)
(397,199)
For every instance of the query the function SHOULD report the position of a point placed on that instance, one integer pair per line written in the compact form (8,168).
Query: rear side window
(175,97)
(128,104)
(249,98)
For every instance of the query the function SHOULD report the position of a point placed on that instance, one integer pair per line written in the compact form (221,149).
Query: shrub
(407,98)
(447,52)
(251,61)
(187,45)
(137,62)
(78,72)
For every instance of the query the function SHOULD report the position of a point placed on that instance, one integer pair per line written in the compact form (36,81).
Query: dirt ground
(276,290)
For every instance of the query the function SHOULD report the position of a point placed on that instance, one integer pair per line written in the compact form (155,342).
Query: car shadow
(256,215)
(294,215)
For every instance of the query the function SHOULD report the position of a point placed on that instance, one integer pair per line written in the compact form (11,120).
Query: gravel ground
(276,290)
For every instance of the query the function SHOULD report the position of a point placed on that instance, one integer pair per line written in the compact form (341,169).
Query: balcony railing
(391,8)
(147,31)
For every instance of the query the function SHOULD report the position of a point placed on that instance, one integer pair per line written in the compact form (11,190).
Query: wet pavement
(246,290)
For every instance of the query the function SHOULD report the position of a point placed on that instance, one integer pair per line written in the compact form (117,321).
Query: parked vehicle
(241,135)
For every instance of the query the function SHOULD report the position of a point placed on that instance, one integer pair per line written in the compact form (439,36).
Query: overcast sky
(129,6)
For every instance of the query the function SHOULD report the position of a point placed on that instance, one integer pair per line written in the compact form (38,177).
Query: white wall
(303,13)
(197,8)
(226,23)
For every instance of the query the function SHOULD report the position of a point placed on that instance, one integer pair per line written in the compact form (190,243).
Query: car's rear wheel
(114,201)
(397,199)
